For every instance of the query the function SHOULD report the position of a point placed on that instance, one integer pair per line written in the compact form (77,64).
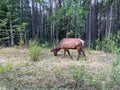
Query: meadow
(49,72)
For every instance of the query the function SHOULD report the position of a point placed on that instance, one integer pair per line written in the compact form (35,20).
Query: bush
(44,45)
(34,50)
(110,44)
(8,66)
(116,70)
(21,43)
(80,76)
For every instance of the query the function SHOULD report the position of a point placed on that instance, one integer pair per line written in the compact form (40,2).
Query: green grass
(50,72)
(1,68)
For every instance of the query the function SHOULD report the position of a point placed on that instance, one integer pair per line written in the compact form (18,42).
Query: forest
(51,20)
(30,28)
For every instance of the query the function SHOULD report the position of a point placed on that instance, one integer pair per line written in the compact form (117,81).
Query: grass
(54,73)
(34,50)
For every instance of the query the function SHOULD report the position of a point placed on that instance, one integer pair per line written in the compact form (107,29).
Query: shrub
(116,70)
(21,43)
(34,50)
(46,44)
(79,76)
(110,44)
(8,66)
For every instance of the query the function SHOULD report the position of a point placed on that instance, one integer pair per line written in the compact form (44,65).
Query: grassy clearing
(50,72)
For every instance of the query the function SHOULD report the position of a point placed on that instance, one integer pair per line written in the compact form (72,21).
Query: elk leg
(79,52)
(69,54)
(65,52)
(83,52)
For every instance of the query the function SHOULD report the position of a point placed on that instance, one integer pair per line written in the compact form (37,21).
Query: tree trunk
(11,32)
(90,27)
(110,21)
(33,20)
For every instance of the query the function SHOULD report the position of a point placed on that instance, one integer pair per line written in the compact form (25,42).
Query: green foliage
(3,22)
(116,70)
(97,79)
(70,33)
(8,66)
(1,68)
(4,34)
(21,43)
(21,31)
(45,45)
(71,16)
(79,76)
(97,46)
(110,44)
(34,50)
(4,37)
(32,43)
(21,27)
(8,13)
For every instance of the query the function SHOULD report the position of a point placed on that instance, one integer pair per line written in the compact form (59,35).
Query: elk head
(54,50)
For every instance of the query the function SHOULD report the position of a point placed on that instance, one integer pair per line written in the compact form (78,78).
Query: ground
(53,71)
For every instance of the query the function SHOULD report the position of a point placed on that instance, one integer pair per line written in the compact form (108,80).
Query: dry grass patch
(50,71)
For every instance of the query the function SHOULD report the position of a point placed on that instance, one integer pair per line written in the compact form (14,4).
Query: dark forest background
(48,21)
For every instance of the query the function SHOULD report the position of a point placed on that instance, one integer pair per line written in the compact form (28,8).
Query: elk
(70,43)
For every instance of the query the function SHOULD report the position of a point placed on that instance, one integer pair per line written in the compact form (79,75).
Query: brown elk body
(70,43)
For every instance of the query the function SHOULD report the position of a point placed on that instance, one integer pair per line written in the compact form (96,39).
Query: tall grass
(98,80)
(112,45)
(116,69)
(80,76)
(34,50)
(6,67)
(1,68)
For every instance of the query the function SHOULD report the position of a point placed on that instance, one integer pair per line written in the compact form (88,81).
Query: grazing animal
(70,43)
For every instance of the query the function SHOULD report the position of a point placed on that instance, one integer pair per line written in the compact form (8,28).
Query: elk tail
(82,42)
